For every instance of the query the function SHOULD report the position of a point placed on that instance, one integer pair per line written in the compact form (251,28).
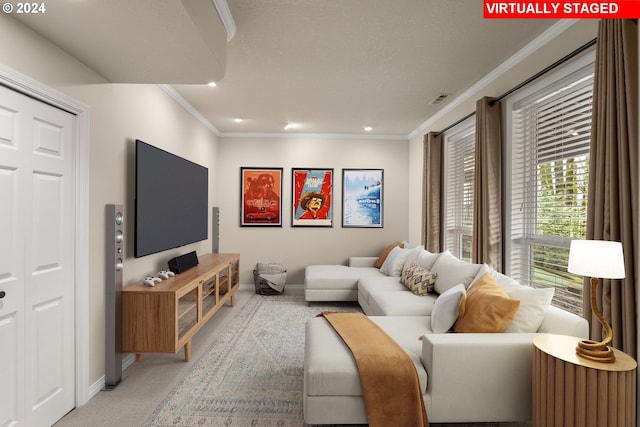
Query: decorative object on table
(261,196)
(598,259)
(269,278)
(312,195)
(362,197)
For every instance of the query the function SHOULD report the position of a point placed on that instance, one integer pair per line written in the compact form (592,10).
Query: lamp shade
(596,258)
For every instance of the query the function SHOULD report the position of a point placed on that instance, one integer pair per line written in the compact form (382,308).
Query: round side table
(569,390)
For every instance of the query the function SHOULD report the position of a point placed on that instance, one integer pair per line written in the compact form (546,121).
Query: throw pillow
(487,308)
(414,254)
(392,266)
(534,305)
(446,309)
(419,280)
(385,253)
(452,271)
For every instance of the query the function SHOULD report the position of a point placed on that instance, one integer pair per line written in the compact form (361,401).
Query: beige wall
(297,247)
(118,115)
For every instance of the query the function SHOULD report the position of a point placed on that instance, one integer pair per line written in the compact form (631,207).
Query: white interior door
(37,230)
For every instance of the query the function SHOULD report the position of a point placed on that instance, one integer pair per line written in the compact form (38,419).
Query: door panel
(37,176)
(12,273)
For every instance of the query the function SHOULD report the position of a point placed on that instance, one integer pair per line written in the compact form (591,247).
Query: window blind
(549,182)
(459,182)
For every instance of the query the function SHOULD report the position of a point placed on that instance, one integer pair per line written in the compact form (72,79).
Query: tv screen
(172,199)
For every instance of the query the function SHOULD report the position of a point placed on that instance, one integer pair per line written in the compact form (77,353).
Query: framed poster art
(312,197)
(261,196)
(362,197)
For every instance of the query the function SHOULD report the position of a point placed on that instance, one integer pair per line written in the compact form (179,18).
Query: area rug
(252,373)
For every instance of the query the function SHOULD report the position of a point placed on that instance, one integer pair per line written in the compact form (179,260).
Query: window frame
(579,65)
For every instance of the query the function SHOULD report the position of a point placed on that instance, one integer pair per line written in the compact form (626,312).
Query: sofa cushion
(417,279)
(534,306)
(330,369)
(401,303)
(368,286)
(385,253)
(392,266)
(446,309)
(486,307)
(336,276)
(453,271)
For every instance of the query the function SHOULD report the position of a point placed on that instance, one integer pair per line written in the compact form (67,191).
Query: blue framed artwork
(362,197)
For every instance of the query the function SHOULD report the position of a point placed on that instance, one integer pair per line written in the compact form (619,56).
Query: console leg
(187,351)
(138,357)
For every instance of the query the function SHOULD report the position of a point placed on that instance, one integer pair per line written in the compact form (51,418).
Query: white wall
(297,247)
(118,115)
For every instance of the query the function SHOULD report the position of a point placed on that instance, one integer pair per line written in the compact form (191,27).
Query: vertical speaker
(114,264)
(215,229)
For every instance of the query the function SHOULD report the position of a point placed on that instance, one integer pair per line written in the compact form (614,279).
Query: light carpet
(252,374)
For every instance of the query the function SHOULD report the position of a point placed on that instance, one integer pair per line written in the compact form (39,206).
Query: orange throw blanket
(390,384)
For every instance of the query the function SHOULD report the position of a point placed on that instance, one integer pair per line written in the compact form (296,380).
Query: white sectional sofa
(466,377)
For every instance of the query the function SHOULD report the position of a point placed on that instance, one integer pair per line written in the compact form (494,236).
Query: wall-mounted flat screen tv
(172,199)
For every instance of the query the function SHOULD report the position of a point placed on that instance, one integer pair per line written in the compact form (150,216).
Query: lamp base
(596,351)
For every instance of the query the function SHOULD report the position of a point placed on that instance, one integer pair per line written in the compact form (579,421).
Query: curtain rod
(529,80)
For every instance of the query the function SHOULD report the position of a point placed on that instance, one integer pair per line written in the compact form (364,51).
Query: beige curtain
(487,196)
(613,175)
(432,191)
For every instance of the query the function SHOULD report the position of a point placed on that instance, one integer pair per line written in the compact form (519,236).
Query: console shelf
(163,318)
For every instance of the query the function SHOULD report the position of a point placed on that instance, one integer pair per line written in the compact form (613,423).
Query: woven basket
(262,285)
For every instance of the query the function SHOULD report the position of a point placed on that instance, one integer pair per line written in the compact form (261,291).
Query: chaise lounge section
(465,377)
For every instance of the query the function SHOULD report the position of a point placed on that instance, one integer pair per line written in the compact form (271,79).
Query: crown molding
(283,135)
(540,41)
(225,16)
(187,106)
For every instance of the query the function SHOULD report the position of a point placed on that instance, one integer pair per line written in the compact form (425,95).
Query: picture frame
(260,197)
(312,197)
(362,198)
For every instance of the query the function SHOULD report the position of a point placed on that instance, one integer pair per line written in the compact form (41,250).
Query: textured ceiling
(335,66)
(330,66)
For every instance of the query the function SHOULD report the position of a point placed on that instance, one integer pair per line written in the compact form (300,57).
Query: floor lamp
(598,259)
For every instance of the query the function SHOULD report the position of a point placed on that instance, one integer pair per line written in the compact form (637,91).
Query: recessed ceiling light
(212,84)
(289,125)
(238,120)
(368,128)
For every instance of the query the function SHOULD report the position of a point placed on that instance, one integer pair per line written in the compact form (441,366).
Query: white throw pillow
(392,266)
(414,254)
(427,259)
(446,309)
(534,305)
(452,271)
(505,282)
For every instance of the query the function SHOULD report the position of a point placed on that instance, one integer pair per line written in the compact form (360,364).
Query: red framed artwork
(312,194)
(261,197)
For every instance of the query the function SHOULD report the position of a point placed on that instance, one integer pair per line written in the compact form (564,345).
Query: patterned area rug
(252,373)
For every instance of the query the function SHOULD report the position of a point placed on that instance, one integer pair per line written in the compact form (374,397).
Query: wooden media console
(163,318)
